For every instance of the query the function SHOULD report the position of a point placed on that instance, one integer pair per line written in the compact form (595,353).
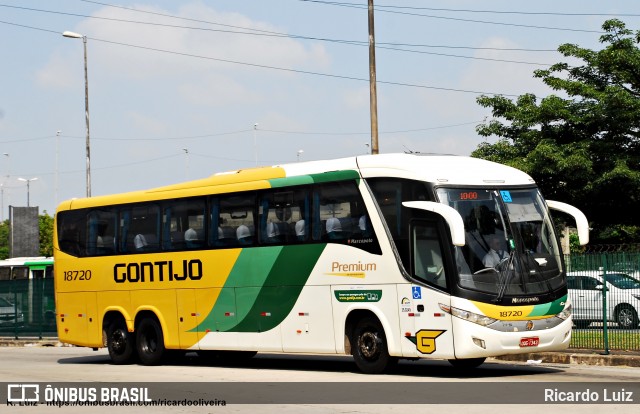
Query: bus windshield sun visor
(451,216)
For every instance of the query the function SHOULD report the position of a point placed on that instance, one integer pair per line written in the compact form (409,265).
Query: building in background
(24,233)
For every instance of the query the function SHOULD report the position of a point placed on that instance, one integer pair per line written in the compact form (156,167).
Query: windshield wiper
(506,271)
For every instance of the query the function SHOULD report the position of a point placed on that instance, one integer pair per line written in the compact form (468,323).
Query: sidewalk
(572,356)
(581,357)
(30,341)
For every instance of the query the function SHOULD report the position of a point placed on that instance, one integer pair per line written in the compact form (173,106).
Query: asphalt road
(315,384)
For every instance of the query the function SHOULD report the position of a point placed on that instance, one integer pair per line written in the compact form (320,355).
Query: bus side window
(341,212)
(428,262)
(337,209)
(20,272)
(5,273)
(183,224)
(101,233)
(236,215)
(72,232)
(140,228)
(282,216)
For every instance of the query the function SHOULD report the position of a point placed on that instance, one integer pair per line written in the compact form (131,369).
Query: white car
(586,291)
(8,315)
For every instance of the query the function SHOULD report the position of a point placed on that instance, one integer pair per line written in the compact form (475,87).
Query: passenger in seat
(244,235)
(334,228)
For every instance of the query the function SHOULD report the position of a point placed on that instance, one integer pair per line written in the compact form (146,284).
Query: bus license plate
(533,341)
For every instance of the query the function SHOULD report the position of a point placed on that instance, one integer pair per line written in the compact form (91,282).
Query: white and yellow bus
(380,257)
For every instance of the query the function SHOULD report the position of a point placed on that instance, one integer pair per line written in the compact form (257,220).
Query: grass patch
(624,340)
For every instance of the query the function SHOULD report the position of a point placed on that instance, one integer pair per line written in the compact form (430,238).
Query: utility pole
(373,94)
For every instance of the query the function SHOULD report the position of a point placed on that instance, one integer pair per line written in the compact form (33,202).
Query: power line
(281,69)
(334,133)
(299,71)
(264,33)
(294,36)
(479,11)
(528,26)
(369,132)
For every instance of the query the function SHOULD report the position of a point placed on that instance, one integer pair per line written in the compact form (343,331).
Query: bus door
(429,267)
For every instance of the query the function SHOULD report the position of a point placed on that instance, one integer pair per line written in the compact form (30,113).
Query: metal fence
(27,308)
(604,289)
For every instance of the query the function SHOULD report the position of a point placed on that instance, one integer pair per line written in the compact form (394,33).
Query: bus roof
(442,169)
(27,261)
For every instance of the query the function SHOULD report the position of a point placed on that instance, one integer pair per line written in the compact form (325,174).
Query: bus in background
(381,257)
(27,295)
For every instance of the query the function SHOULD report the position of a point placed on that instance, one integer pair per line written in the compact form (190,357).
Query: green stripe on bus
(315,178)
(291,181)
(249,274)
(262,288)
(552,308)
(335,176)
(276,298)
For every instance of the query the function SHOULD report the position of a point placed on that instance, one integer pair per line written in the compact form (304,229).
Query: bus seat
(334,228)
(226,236)
(300,230)
(243,235)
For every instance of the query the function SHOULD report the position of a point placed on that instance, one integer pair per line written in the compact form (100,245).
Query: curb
(30,342)
(534,358)
(574,358)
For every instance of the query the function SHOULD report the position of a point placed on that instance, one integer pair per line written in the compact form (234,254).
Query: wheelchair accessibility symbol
(417,292)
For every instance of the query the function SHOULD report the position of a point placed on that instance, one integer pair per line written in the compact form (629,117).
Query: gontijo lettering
(160,271)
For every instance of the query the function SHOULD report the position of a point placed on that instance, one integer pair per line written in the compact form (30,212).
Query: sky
(180,90)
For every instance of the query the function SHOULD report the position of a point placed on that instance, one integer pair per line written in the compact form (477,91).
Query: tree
(583,149)
(45,226)
(4,240)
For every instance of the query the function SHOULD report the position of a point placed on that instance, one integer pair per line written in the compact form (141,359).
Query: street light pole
(186,164)
(28,182)
(57,166)
(255,142)
(373,93)
(86,104)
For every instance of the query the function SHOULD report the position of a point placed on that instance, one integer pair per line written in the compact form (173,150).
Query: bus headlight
(565,313)
(467,316)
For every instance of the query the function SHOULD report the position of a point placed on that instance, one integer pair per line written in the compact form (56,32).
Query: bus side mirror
(450,215)
(581,220)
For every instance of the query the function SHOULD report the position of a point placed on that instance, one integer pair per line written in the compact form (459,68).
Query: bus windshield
(510,246)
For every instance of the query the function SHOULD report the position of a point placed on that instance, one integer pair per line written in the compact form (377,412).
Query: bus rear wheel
(150,342)
(120,343)
(369,345)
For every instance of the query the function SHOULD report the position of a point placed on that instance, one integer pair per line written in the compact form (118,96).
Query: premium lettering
(352,267)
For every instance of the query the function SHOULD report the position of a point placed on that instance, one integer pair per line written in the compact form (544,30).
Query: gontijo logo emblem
(425,340)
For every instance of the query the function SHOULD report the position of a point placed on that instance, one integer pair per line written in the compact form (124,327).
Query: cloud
(216,81)
(213,41)
(506,77)
(148,124)
(58,74)
(357,98)
(217,90)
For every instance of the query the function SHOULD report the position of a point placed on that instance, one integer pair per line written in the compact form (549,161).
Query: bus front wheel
(120,343)
(369,345)
(150,342)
